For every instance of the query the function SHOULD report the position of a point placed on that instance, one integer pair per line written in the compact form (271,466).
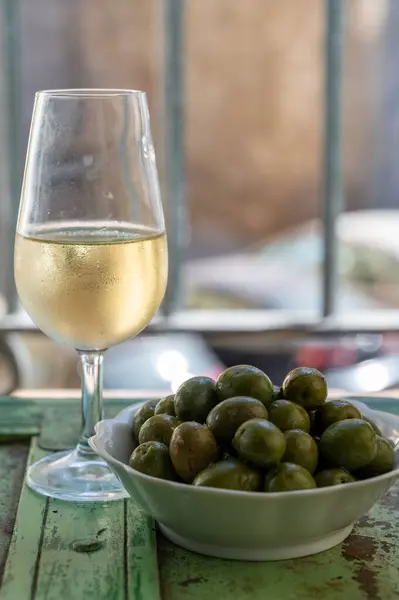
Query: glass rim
(90,92)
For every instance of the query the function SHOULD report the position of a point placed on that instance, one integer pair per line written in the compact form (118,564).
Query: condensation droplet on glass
(88,160)
(148,148)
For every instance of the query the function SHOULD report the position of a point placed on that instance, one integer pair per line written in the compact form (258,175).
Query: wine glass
(90,251)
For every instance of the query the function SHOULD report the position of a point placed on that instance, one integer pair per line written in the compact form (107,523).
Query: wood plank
(188,576)
(82,554)
(13,459)
(18,418)
(69,414)
(48,393)
(64,551)
(23,554)
(22,418)
(141,553)
(363,567)
(97,551)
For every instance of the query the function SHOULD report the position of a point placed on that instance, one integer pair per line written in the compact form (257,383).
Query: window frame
(172,317)
(10,171)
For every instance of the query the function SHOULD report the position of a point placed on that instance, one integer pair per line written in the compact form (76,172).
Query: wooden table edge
(136,394)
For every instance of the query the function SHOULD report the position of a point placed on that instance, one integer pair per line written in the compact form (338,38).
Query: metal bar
(174,185)
(250,323)
(10,117)
(332,184)
(5,203)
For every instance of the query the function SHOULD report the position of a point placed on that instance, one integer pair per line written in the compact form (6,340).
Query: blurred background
(237,94)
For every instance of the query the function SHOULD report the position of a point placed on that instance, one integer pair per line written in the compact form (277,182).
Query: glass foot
(69,475)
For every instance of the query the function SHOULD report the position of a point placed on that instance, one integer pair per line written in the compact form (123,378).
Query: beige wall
(254,90)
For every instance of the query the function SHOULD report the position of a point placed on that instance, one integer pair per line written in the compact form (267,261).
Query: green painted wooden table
(63,551)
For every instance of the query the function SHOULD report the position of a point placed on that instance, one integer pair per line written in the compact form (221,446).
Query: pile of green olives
(243,433)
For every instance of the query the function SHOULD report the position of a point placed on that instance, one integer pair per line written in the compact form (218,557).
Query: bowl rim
(104,427)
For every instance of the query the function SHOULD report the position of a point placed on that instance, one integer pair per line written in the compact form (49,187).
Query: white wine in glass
(109,283)
(90,251)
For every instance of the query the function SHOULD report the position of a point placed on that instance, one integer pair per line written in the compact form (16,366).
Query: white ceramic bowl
(244,525)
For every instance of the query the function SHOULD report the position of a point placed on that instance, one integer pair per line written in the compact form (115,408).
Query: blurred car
(374,375)
(360,363)
(285,272)
(159,362)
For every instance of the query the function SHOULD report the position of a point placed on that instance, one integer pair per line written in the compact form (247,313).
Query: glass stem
(92,394)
